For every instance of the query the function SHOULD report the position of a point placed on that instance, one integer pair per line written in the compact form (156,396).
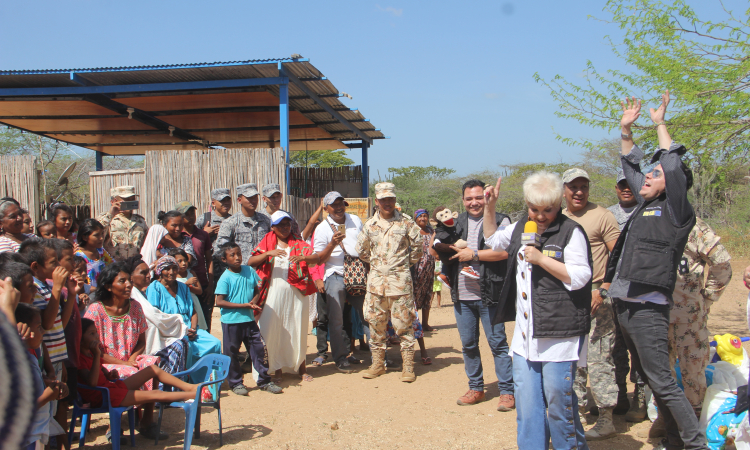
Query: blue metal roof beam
(134,113)
(323,104)
(152,87)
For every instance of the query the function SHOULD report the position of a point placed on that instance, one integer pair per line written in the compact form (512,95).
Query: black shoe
(623,404)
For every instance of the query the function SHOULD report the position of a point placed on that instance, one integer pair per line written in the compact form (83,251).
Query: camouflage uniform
(688,334)
(600,364)
(391,247)
(123,237)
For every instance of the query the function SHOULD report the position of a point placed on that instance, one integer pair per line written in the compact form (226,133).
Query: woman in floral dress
(122,332)
(423,272)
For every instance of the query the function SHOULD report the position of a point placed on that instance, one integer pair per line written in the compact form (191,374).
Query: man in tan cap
(391,243)
(124,231)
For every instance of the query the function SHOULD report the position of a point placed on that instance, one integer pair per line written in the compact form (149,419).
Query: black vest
(653,249)
(491,273)
(557,312)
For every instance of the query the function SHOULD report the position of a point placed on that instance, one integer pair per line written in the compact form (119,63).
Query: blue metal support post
(365,171)
(284,130)
(99,164)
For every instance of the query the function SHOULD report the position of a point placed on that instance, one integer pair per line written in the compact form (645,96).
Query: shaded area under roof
(239,104)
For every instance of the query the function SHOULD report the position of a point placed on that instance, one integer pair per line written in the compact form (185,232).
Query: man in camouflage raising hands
(391,243)
(693,296)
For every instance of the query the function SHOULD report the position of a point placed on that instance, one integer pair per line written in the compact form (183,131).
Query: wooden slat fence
(174,175)
(321,181)
(19,179)
(100,184)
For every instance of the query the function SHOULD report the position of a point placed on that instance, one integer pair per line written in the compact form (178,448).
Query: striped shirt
(9,245)
(469,289)
(54,339)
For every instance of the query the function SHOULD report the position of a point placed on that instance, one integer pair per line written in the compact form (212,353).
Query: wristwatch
(475,258)
(603,293)
(626,136)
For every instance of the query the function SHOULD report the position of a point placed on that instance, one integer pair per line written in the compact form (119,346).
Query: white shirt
(324,234)
(524,343)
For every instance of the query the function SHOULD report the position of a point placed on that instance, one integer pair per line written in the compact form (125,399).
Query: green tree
(422,187)
(53,157)
(320,158)
(704,63)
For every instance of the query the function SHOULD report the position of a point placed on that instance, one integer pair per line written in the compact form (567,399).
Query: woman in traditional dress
(166,333)
(122,332)
(172,297)
(423,272)
(281,262)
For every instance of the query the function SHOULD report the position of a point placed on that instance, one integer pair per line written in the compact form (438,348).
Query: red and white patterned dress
(119,335)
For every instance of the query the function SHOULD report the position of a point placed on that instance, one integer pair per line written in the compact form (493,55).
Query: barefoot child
(235,292)
(122,392)
(50,390)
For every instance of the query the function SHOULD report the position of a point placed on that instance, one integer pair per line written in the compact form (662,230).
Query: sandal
(426,361)
(319,361)
(307,377)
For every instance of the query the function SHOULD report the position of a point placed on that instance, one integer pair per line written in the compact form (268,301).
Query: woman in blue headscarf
(172,297)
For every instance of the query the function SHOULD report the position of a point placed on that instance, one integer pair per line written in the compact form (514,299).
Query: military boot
(604,428)
(658,428)
(378,364)
(623,405)
(407,374)
(637,410)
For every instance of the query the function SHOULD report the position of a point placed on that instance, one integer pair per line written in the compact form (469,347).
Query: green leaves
(704,63)
(320,158)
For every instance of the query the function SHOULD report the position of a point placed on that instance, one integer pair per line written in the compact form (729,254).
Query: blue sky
(450,82)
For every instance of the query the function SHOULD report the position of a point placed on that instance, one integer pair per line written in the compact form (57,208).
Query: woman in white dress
(281,262)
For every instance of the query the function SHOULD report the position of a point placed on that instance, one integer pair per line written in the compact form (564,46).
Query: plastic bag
(721,429)
(726,374)
(742,438)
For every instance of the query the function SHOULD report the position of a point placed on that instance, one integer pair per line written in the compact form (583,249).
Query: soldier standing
(602,232)
(693,297)
(390,241)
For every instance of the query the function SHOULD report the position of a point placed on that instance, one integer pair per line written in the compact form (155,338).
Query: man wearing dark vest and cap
(643,265)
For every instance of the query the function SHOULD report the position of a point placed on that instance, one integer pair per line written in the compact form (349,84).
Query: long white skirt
(283,325)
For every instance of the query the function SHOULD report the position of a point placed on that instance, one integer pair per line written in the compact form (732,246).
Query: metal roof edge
(154,67)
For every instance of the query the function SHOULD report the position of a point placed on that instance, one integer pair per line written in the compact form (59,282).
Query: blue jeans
(468,316)
(546,400)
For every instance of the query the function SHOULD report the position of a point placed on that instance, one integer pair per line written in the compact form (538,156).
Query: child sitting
(51,390)
(122,392)
(236,291)
(185,276)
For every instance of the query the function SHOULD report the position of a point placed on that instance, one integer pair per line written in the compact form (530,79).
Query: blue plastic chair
(202,369)
(115,416)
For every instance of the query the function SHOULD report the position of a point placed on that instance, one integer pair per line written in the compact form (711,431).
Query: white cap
(278,216)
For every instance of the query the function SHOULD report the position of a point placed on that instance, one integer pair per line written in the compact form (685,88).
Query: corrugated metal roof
(154,67)
(301,68)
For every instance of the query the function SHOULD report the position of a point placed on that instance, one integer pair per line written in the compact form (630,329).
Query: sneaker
(272,388)
(471,397)
(240,389)
(444,278)
(469,272)
(345,367)
(507,402)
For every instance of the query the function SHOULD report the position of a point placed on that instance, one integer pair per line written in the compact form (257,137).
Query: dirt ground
(348,412)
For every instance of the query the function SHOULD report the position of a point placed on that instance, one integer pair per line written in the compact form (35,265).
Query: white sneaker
(469,272)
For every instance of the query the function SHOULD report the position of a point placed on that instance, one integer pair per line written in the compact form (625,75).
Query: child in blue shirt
(237,294)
